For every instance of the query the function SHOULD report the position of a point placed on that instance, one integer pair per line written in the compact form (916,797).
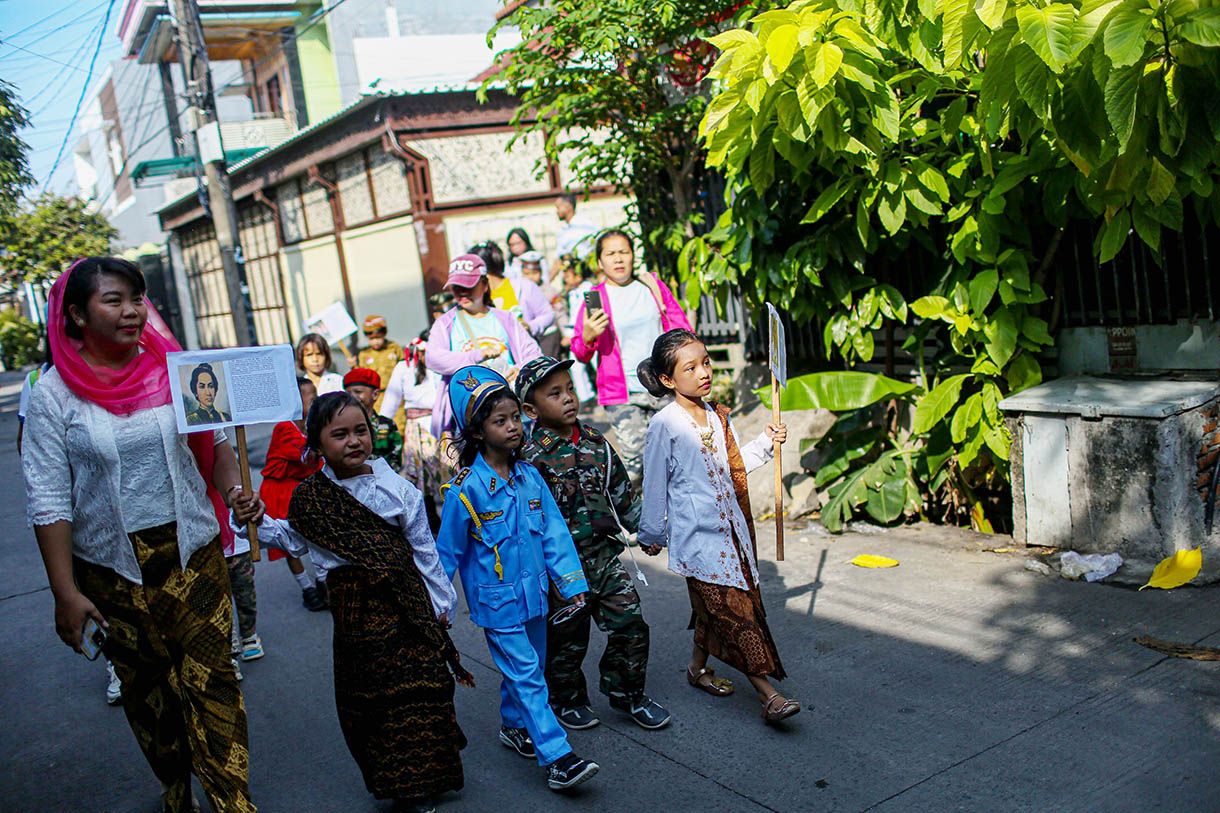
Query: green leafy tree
(860,135)
(14,166)
(49,235)
(617,89)
(19,339)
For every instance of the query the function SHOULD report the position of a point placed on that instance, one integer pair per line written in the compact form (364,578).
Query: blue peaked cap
(470,388)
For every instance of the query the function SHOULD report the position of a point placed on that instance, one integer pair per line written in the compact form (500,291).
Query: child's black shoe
(569,771)
(519,740)
(576,717)
(646,712)
(312,600)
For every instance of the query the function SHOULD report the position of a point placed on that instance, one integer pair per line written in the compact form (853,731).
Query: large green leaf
(1092,14)
(886,502)
(732,38)
(1160,182)
(1048,30)
(1202,27)
(934,406)
(1122,86)
(1126,33)
(982,289)
(838,391)
(953,21)
(991,12)
(1114,235)
(931,307)
(1001,333)
(827,199)
(826,64)
(781,45)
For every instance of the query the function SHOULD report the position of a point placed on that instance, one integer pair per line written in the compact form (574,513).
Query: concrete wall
(1181,346)
(322,96)
(386,277)
(311,279)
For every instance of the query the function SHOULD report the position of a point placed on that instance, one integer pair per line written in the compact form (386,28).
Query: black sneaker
(646,712)
(519,740)
(569,771)
(325,596)
(576,717)
(313,600)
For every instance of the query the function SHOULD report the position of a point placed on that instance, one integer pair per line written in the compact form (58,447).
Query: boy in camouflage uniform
(591,487)
(364,385)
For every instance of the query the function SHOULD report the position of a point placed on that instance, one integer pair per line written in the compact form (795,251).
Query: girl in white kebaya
(696,502)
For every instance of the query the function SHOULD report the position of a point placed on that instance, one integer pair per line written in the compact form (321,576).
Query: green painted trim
(318,75)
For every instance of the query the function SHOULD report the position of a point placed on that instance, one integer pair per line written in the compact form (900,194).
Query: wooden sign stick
(243,465)
(779,473)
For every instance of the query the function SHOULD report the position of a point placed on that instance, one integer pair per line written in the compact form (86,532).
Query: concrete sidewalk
(956,680)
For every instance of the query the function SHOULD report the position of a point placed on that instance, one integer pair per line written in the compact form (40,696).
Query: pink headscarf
(142,384)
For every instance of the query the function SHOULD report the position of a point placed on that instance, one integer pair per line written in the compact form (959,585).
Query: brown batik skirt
(731,624)
(393,694)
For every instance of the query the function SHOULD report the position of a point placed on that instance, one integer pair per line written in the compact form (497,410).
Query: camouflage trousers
(615,607)
(241,582)
(630,421)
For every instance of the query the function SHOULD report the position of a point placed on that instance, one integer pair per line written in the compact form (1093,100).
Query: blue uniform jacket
(506,538)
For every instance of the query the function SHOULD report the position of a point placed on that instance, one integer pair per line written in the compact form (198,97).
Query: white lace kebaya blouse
(111,475)
(689,503)
(393,499)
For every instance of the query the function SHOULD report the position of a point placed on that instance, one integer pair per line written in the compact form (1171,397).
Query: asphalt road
(954,681)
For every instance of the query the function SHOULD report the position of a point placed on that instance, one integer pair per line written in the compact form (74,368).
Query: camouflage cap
(535,371)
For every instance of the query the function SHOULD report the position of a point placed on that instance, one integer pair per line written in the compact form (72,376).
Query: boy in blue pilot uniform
(501,529)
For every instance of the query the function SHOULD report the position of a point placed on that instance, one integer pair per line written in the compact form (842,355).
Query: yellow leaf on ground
(1175,571)
(872,560)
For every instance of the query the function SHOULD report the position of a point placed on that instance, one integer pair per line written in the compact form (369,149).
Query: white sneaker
(252,648)
(114,689)
(237,669)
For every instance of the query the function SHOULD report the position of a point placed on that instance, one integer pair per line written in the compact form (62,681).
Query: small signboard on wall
(1120,342)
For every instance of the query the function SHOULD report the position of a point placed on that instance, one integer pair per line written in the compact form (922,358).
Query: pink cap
(466,271)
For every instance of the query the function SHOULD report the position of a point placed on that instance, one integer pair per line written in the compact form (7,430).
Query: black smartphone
(593,301)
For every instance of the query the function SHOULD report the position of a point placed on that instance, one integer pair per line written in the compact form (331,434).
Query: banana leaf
(837,391)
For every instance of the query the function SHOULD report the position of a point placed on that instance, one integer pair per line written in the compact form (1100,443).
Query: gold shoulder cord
(474,516)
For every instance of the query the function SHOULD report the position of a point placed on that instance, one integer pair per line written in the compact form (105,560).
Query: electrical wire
(81,101)
(81,50)
(55,13)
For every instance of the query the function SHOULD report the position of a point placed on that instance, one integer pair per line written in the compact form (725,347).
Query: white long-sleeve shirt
(112,475)
(689,502)
(402,390)
(393,499)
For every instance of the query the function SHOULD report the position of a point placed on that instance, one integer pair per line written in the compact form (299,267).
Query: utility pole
(192,52)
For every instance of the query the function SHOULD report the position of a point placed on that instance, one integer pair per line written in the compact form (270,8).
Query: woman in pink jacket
(473,333)
(636,309)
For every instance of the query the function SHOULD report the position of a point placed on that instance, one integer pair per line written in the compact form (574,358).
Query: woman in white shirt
(697,503)
(128,534)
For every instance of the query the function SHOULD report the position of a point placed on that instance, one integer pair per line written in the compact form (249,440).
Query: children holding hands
(696,502)
(501,528)
(392,604)
(593,492)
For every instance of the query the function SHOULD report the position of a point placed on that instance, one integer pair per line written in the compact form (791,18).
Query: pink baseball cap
(466,271)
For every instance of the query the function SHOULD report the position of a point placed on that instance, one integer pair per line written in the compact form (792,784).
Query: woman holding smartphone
(120,505)
(634,310)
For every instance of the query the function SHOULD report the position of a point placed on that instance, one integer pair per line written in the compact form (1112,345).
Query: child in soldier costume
(365,385)
(591,487)
(501,529)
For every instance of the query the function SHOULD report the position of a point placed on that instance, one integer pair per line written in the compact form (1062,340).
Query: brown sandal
(714,686)
(782,712)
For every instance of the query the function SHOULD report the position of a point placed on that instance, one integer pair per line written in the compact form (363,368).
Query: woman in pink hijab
(120,505)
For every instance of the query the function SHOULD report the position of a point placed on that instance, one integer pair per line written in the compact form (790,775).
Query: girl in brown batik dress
(696,502)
